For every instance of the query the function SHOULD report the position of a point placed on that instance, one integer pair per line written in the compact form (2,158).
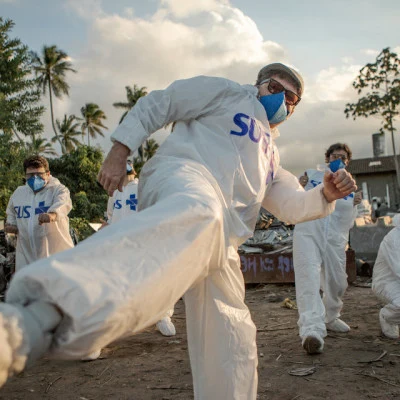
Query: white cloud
(208,37)
(187,38)
(333,84)
(370,52)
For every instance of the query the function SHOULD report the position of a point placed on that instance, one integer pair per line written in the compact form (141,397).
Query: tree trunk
(52,119)
(88,137)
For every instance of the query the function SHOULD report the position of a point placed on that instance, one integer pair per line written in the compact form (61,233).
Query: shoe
(166,327)
(313,344)
(13,342)
(389,330)
(92,356)
(338,325)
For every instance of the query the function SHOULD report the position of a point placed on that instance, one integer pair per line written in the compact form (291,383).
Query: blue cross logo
(41,209)
(132,202)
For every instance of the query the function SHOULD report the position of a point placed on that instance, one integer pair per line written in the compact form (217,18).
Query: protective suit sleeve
(183,100)
(389,251)
(110,208)
(286,199)
(11,215)
(62,204)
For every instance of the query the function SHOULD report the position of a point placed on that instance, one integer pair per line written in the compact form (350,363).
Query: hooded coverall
(319,261)
(200,196)
(386,275)
(122,205)
(40,241)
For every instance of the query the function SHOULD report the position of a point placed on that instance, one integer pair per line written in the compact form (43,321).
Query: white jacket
(123,204)
(335,227)
(386,275)
(39,241)
(230,136)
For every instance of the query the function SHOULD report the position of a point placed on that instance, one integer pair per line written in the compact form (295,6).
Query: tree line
(27,76)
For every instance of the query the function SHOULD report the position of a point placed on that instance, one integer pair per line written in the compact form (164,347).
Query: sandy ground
(358,365)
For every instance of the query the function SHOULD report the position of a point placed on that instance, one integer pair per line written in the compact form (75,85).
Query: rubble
(7,261)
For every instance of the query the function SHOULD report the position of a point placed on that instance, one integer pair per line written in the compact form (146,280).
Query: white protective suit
(123,204)
(319,261)
(200,196)
(40,241)
(386,275)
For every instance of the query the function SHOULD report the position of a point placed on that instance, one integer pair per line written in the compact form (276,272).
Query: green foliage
(92,121)
(78,171)
(69,133)
(19,95)
(13,154)
(132,97)
(81,227)
(51,69)
(381,79)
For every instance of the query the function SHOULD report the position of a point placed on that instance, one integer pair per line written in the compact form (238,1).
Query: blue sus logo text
(131,202)
(248,125)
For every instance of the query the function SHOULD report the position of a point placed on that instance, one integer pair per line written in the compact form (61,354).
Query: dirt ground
(358,365)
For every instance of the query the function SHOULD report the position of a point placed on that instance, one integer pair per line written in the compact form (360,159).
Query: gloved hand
(46,218)
(303,179)
(338,184)
(113,170)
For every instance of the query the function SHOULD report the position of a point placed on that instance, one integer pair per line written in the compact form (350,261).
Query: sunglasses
(275,87)
(336,156)
(41,174)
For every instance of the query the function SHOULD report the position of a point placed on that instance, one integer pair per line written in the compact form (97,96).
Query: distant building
(376,176)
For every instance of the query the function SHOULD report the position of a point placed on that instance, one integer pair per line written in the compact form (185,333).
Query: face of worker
(40,172)
(263,90)
(342,154)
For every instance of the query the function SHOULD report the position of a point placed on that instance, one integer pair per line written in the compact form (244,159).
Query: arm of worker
(11,222)
(60,208)
(182,100)
(286,199)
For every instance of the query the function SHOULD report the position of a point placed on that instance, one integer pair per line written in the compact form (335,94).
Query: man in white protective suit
(386,280)
(200,196)
(319,259)
(122,205)
(38,213)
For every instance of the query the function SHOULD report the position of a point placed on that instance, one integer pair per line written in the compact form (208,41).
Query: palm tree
(132,97)
(92,120)
(40,146)
(50,70)
(68,132)
(150,148)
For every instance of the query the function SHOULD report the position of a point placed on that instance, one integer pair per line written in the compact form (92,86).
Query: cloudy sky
(114,43)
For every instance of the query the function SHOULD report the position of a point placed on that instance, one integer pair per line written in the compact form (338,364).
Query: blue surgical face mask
(36,183)
(128,168)
(336,165)
(275,107)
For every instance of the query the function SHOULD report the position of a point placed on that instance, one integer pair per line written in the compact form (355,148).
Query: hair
(280,74)
(36,162)
(338,146)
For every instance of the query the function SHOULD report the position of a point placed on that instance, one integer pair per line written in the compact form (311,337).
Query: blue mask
(337,164)
(36,183)
(275,107)
(128,167)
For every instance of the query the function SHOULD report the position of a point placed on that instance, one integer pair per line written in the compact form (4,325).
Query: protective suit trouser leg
(389,292)
(307,266)
(222,336)
(126,277)
(333,281)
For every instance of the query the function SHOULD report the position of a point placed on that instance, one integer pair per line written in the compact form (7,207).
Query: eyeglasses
(336,156)
(41,174)
(275,87)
